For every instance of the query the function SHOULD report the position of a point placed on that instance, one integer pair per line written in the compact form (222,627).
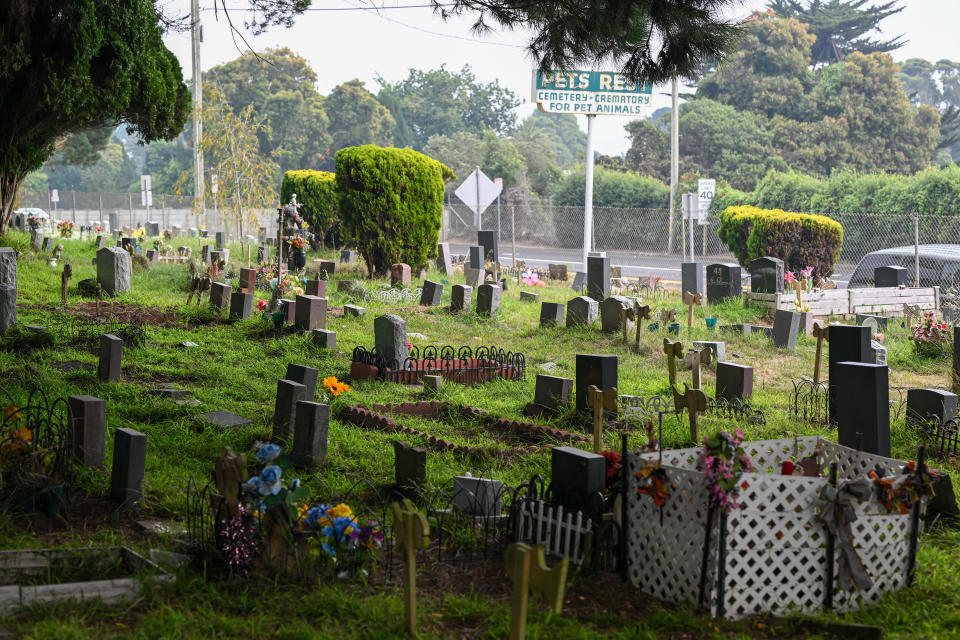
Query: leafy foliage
(356,117)
(317,192)
(391,201)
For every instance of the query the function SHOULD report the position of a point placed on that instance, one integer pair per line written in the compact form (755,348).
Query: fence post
(513,238)
(130,201)
(916,249)
(74,196)
(100,207)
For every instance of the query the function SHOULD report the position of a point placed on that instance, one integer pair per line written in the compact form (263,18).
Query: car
(33,211)
(939,265)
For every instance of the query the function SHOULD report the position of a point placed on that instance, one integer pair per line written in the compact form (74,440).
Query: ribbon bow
(836,514)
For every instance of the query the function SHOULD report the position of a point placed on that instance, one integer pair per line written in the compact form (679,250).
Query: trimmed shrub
(391,203)
(799,239)
(317,191)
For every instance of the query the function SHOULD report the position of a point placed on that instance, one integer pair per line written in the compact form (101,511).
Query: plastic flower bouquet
(532,278)
(723,461)
(930,338)
(341,539)
(297,242)
(66,228)
(800,282)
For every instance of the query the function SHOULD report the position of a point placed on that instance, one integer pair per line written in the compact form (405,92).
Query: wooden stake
(65,280)
(528,567)
(673,350)
(412,533)
(691,300)
(820,333)
(696,401)
(625,314)
(699,357)
(640,313)
(600,400)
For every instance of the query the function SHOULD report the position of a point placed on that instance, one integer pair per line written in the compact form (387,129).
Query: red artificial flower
(612,459)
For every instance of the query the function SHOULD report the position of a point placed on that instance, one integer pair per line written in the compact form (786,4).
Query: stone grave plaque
(734,381)
(691,277)
(219,295)
(878,353)
(289,393)
(225,419)
(111,352)
(8,266)
(328,266)
(461,296)
(863,405)
(390,337)
(311,313)
(551,313)
(476,257)
(488,240)
(307,376)
(8,306)
(410,465)
(400,274)
(353,310)
(582,310)
(876,322)
(598,277)
(723,281)
(718,347)
(316,288)
(310,434)
(241,305)
(786,327)
(610,313)
(113,270)
(891,276)
(598,370)
(575,475)
(348,256)
(324,338)
(766,275)
(477,496)
(444,261)
(432,294)
(847,343)
(129,465)
(88,420)
(558,271)
(529,296)
(552,392)
(922,403)
(473,277)
(488,299)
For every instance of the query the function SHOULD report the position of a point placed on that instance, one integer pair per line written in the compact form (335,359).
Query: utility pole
(588,193)
(674,165)
(196,37)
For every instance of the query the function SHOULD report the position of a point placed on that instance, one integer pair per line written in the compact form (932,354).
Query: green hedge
(317,192)
(799,239)
(391,203)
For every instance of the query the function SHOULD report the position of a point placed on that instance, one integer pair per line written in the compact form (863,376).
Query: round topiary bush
(317,192)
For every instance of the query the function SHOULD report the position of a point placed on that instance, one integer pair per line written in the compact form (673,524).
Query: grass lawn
(235,367)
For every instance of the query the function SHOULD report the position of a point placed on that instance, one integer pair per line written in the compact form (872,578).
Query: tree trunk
(10,185)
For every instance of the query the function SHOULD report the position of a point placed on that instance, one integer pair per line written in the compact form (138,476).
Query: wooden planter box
(41,576)
(847,302)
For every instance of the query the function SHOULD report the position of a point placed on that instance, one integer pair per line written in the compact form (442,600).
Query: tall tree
(68,65)
(938,85)
(356,117)
(558,131)
(841,26)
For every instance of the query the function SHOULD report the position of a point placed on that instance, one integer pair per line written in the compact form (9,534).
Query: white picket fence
(562,533)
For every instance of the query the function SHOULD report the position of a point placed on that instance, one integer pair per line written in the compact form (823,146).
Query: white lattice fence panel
(882,542)
(853,464)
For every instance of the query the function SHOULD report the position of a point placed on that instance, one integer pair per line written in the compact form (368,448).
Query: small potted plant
(66,228)
(930,338)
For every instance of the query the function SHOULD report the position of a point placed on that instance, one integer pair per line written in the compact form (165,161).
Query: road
(633,264)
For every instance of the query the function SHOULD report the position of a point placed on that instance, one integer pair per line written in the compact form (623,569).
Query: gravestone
(847,343)
(316,288)
(177,231)
(129,465)
(410,465)
(348,256)
(575,475)
(241,305)
(19,221)
(225,419)
(444,263)
(153,255)
(354,311)
(723,281)
(863,405)
(100,242)
(734,381)
(432,294)
(88,422)
(598,277)
(390,339)
(597,370)
(8,307)
(127,242)
(220,255)
(786,327)
(219,295)
(691,277)
(878,322)
(579,282)
(36,239)
(488,241)
(248,280)
(488,299)
(718,347)
(111,352)
(221,239)
(205,253)
(329,266)
(557,271)
(477,496)
(476,257)
(610,313)
(289,309)
(310,434)
(113,270)
(263,254)
(473,277)
(432,383)
(8,266)
(289,393)
(311,313)
(307,376)
(891,276)
(551,313)
(400,274)
(461,296)
(582,310)
(324,338)
(47,244)
(552,392)
(923,403)
(529,296)
(956,356)
(152,229)
(766,275)
(878,353)
(114,220)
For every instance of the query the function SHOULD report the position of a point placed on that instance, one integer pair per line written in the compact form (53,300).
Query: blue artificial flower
(330,550)
(314,514)
(267,453)
(253,484)
(294,484)
(271,474)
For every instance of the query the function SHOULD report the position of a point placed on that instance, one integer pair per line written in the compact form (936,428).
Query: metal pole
(74,195)
(513,238)
(130,205)
(916,249)
(198,184)
(588,193)
(477,219)
(100,207)
(690,212)
(674,165)
(498,220)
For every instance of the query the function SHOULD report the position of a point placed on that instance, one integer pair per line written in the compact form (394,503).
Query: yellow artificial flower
(342,510)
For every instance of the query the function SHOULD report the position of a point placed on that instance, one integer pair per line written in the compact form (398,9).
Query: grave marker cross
(528,567)
(691,300)
(821,333)
(412,533)
(640,313)
(600,400)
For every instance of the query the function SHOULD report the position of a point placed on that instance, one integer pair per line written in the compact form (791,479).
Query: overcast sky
(342,42)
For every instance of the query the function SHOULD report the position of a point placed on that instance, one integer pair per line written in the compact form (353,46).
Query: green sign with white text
(590,93)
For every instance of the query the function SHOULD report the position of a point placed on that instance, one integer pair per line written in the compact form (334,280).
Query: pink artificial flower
(806,272)
(409,345)
(789,277)
(262,305)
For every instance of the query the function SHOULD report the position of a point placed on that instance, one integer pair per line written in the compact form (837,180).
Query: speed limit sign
(705,191)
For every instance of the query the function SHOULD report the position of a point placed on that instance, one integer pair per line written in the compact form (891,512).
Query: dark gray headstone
(241,305)
(943,505)
(205,253)
(575,475)
(113,270)
(285,408)
(8,266)
(891,276)
(114,220)
(879,353)
(263,254)
(766,275)
(311,313)
(128,242)
(922,403)
(488,299)
(153,255)
(444,263)
(88,421)
(220,239)
(432,294)
(48,244)
(390,338)
(734,381)
(597,370)
(579,282)
(552,392)
(129,465)
(289,308)
(324,338)
(225,419)
(329,266)
(786,327)
(307,376)
(220,295)
(353,310)
(551,313)
(610,313)
(410,465)
(582,310)
(847,343)
(723,281)
(152,229)
(111,352)
(881,321)
(691,277)
(100,242)
(488,240)
(477,496)
(461,296)
(348,256)
(598,277)
(476,257)
(863,406)
(310,434)
(473,277)
(529,296)
(8,306)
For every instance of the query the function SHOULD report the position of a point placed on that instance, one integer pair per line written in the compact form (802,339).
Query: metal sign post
(478,192)
(588,194)
(499,183)
(706,188)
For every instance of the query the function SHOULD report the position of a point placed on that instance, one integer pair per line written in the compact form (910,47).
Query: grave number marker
(413,533)
(528,567)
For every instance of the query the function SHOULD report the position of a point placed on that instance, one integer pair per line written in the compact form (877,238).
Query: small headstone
(8,266)
(734,381)
(36,239)
(786,327)
(263,254)
(863,405)
(719,348)
(241,305)
(48,244)
(847,343)
(488,241)
(582,310)
(878,322)
(307,376)
(128,242)
(691,277)
(328,266)
(347,256)
(461,296)
(205,253)
(219,255)
(552,392)
(579,282)
(88,421)
(488,299)
(225,419)
(152,229)
(221,239)
(8,306)
(248,280)
(575,475)
(410,465)
(610,313)
(598,277)
(473,277)
(153,256)
(550,367)
(477,496)
(923,403)
(100,242)
(943,505)
(878,353)
(129,465)
(891,276)
(111,352)
(597,370)
(219,295)
(551,313)
(766,275)
(113,270)
(723,281)
(476,258)
(529,296)
(400,274)
(431,294)
(324,338)
(285,408)
(557,271)
(444,263)
(311,313)
(432,383)
(310,434)
(316,288)
(114,220)
(353,310)
(390,338)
